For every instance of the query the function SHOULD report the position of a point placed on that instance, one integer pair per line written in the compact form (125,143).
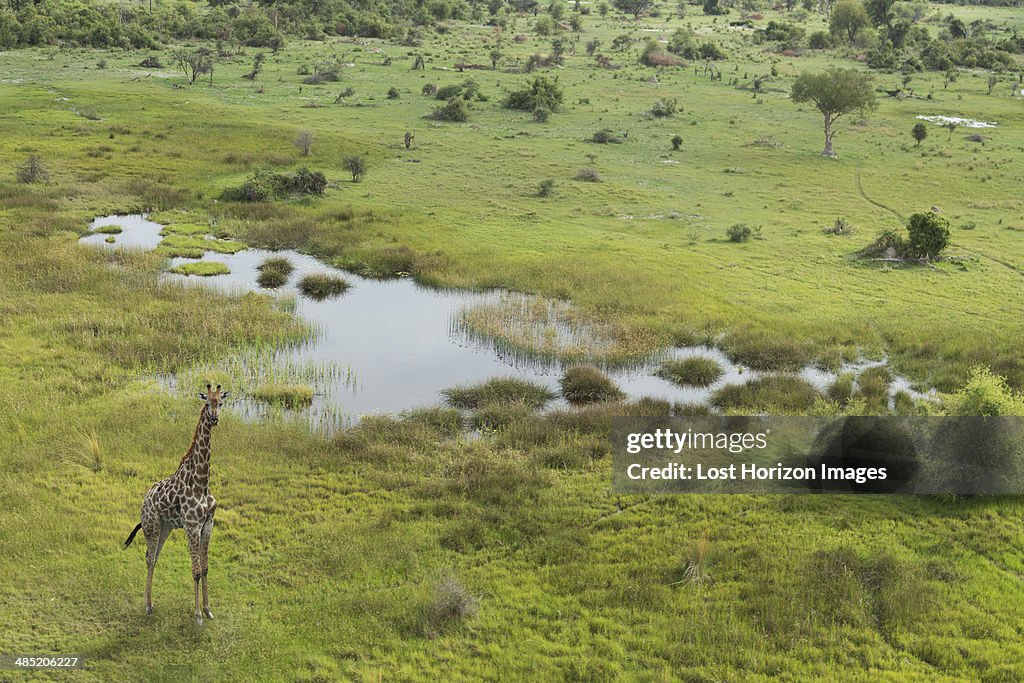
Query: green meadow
(481,539)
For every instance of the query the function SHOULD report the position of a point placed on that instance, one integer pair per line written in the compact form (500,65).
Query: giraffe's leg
(205,549)
(194,533)
(155,537)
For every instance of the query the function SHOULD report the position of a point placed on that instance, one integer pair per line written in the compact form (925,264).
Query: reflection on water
(400,343)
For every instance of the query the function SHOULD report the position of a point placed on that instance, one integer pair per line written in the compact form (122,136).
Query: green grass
(322,285)
(202,268)
(770,393)
(587,384)
(402,549)
(498,391)
(108,230)
(274,272)
(696,371)
(288,395)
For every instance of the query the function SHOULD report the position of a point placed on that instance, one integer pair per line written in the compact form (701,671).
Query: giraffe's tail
(131,536)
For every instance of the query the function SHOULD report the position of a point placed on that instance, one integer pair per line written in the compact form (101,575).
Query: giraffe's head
(213,398)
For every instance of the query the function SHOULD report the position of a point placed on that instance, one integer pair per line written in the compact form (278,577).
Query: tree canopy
(835,92)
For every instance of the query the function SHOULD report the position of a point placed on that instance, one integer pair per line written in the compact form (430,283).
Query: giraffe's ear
(202,396)
(224,395)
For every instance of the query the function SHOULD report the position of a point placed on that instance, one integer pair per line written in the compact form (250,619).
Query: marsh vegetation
(444,542)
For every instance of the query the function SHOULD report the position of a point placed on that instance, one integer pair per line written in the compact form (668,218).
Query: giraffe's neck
(195,466)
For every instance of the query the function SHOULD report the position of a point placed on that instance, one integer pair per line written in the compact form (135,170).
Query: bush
(888,244)
(264,186)
(696,371)
(819,40)
(393,93)
(739,232)
(541,115)
(542,93)
(587,384)
(429,90)
(665,107)
(356,165)
(653,55)
(319,286)
(32,171)
(677,142)
(605,136)
(454,110)
(929,235)
(588,175)
(498,391)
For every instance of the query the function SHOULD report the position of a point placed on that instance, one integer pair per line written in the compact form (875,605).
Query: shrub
(319,286)
(588,175)
(665,107)
(393,93)
(467,90)
(929,235)
(653,55)
(984,393)
(429,90)
(696,371)
(356,165)
(264,186)
(587,384)
(888,244)
(453,110)
(542,93)
(32,171)
(541,115)
(677,142)
(546,188)
(819,40)
(498,391)
(605,136)
(739,232)
(305,181)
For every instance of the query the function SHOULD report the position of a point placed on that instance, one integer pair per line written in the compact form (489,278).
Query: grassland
(344,556)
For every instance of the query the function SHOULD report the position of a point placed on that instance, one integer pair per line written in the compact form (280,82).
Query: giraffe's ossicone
(183,501)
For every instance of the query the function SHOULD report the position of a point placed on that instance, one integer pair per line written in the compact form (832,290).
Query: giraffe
(183,501)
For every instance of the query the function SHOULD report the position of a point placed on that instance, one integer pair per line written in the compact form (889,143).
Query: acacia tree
(848,17)
(835,92)
(634,7)
(194,63)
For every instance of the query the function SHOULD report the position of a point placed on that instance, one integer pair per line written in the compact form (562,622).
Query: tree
(848,19)
(929,234)
(356,165)
(951,127)
(920,132)
(194,63)
(634,7)
(993,81)
(304,141)
(835,92)
(881,12)
(949,77)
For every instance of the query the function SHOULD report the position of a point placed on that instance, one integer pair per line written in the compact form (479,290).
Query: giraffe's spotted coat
(183,501)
